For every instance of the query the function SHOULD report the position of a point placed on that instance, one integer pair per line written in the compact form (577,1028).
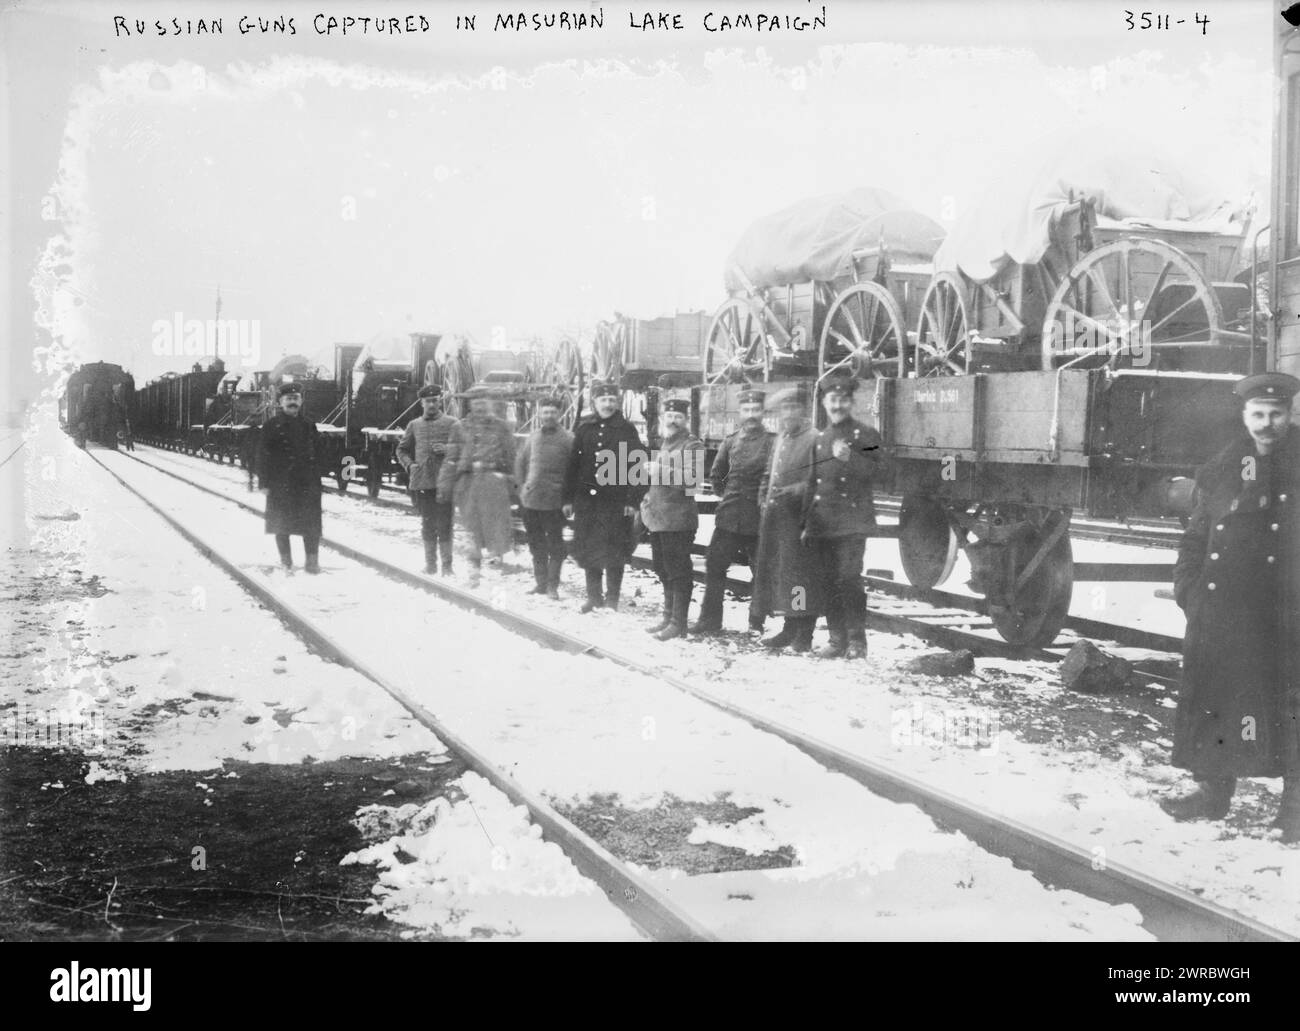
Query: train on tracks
(1068,347)
(98,404)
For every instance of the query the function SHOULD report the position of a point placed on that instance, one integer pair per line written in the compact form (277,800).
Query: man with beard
(600,497)
(1237,579)
(839,514)
(476,475)
(740,464)
(288,457)
(421,453)
(539,472)
(787,579)
(668,512)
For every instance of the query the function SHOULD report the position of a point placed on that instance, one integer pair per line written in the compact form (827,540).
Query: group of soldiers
(798,505)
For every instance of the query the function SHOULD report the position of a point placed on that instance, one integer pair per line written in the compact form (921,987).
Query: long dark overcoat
(788,581)
(598,487)
(288,465)
(1236,579)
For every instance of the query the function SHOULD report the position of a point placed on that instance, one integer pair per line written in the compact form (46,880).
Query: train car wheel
(1039,608)
(863,334)
(927,542)
(943,333)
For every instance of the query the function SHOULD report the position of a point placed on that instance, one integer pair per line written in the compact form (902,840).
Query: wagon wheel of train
(736,348)
(927,542)
(607,351)
(1124,303)
(432,374)
(863,333)
(1038,608)
(944,330)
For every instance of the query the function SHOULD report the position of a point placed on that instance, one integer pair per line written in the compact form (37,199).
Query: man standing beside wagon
(668,512)
(539,471)
(421,454)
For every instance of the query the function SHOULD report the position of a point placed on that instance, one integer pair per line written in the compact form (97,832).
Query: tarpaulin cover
(1124,178)
(816,238)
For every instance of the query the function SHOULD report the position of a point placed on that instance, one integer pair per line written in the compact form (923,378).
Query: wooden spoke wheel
(863,334)
(1124,302)
(735,349)
(1038,609)
(943,333)
(608,351)
(565,373)
(927,541)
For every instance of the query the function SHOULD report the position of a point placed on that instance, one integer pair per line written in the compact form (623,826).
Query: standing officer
(421,453)
(1237,580)
(739,466)
(600,497)
(787,580)
(668,511)
(539,471)
(288,470)
(839,514)
(476,475)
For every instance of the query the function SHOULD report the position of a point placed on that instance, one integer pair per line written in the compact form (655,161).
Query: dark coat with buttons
(596,484)
(288,467)
(838,501)
(741,462)
(788,581)
(1236,579)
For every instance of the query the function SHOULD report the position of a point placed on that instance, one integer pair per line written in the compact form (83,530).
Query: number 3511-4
(1151,20)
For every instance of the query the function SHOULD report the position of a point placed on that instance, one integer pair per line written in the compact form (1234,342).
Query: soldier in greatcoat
(839,514)
(288,469)
(675,472)
(477,474)
(1238,580)
(787,577)
(741,462)
(421,453)
(539,470)
(599,496)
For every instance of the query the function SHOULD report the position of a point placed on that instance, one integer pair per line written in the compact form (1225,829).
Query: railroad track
(1168,912)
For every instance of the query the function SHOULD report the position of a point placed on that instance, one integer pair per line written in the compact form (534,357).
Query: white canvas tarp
(1123,177)
(816,238)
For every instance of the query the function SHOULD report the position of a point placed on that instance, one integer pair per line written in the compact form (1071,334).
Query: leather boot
(782,639)
(1210,801)
(613,585)
(667,617)
(539,575)
(681,600)
(710,618)
(430,558)
(857,648)
(553,568)
(836,647)
(1288,810)
(594,599)
(282,546)
(803,631)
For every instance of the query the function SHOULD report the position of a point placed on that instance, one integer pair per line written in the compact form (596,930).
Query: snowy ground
(1009,737)
(148,658)
(579,729)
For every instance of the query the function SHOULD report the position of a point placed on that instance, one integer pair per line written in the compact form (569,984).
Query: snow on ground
(1000,738)
(137,649)
(576,727)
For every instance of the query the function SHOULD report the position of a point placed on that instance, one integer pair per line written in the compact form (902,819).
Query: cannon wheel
(863,333)
(566,375)
(927,541)
(943,332)
(1106,295)
(735,349)
(1038,612)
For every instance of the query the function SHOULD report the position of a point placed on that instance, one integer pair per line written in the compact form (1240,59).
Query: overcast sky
(337,189)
